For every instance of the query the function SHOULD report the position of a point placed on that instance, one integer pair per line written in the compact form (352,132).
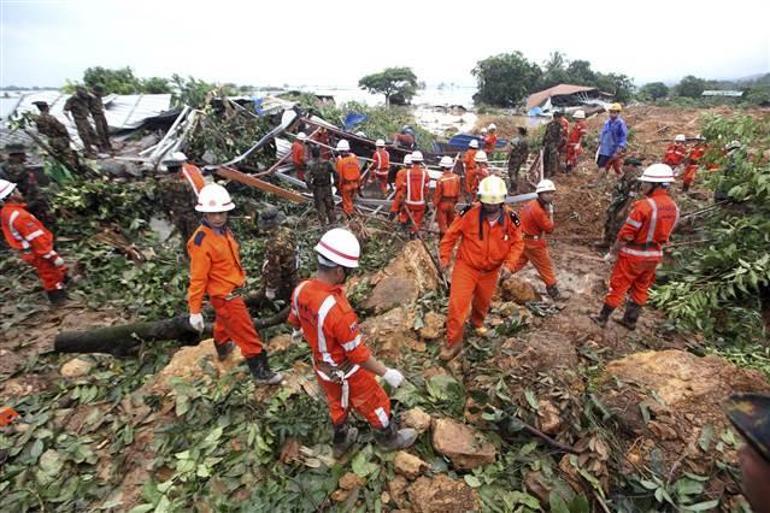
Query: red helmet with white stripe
(339,246)
(6,188)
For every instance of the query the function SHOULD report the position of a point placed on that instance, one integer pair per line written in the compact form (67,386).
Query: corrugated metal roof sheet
(537,99)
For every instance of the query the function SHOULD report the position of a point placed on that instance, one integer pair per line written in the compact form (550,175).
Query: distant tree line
(755,91)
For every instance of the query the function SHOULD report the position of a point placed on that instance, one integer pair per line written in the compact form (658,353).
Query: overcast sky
(45,42)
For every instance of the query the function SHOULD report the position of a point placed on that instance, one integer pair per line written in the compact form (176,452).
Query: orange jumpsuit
(215,269)
(298,158)
(691,164)
(675,154)
(469,162)
(484,248)
(411,193)
(330,327)
(473,178)
(349,173)
(490,141)
(647,228)
(193,176)
(445,198)
(381,167)
(24,233)
(574,147)
(535,223)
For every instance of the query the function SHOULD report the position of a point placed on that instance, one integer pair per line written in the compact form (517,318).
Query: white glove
(270,293)
(608,257)
(393,377)
(197,323)
(296,335)
(58,261)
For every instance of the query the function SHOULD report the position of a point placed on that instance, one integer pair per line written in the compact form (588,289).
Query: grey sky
(300,42)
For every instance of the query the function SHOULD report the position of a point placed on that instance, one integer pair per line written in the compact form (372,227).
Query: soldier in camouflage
(553,139)
(518,156)
(319,178)
(77,106)
(96,108)
(279,271)
(623,195)
(15,170)
(58,137)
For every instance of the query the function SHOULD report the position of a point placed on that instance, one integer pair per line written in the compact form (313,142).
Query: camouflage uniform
(58,139)
(279,271)
(178,200)
(623,195)
(77,105)
(518,156)
(319,178)
(552,140)
(16,171)
(96,107)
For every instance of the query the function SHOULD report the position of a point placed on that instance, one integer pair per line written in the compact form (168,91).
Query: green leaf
(706,435)
(650,485)
(702,506)
(142,508)
(472,481)
(361,465)
(531,399)
(51,463)
(557,503)
(686,486)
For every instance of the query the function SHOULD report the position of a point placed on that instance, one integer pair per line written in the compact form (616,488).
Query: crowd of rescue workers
(481,241)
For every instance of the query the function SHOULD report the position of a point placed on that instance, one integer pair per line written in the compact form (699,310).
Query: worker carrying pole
(489,239)
(639,246)
(344,365)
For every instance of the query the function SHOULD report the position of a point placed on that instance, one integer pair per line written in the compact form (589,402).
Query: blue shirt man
(613,139)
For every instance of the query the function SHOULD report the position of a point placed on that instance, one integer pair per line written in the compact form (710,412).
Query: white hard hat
(361,134)
(6,188)
(483,131)
(343,145)
(380,143)
(579,114)
(680,138)
(416,156)
(178,155)
(657,173)
(408,159)
(492,126)
(481,156)
(545,186)
(492,190)
(733,145)
(302,136)
(474,143)
(447,162)
(214,198)
(339,246)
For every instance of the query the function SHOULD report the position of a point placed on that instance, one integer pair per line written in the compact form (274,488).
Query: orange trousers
(348,193)
(382,181)
(445,214)
(688,177)
(417,211)
(472,289)
(573,152)
(366,397)
(536,251)
(51,277)
(233,322)
(632,273)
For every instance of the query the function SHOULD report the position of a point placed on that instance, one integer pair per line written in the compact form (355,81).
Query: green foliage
(114,81)
(505,79)
(690,87)
(195,92)
(399,85)
(653,91)
(156,85)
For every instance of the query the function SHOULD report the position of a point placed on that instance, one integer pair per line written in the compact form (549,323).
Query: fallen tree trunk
(125,340)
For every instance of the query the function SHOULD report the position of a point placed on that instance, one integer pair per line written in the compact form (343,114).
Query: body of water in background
(431,95)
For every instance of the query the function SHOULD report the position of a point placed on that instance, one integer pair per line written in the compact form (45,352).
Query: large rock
(76,368)
(417,419)
(465,447)
(409,465)
(434,326)
(388,333)
(405,278)
(548,417)
(518,290)
(442,494)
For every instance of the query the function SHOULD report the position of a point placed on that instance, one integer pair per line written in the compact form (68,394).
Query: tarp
(353,119)
(462,141)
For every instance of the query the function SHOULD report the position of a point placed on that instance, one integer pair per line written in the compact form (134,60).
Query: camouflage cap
(270,217)
(12,148)
(632,161)
(40,103)
(750,414)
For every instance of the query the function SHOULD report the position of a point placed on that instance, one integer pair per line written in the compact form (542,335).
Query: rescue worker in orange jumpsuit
(692,161)
(446,195)
(490,140)
(489,239)
(344,365)
(348,176)
(215,269)
(676,152)
(639,246)
(575,139)
(411,194)
(469,163)
(536,221)
(476,174)
(298,155)
(24,233)
(380,166)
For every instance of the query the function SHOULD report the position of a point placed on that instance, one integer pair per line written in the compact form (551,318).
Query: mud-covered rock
(417,419)
(548,417)
(409,465)
(518,290)
(434,326)
(389,332)
(76,368)
(465,447)
(441,494)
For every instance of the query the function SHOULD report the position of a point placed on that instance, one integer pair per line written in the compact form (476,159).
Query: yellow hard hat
(492,190)
(616,107)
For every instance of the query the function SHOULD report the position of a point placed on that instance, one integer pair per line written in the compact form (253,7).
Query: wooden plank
(237,176)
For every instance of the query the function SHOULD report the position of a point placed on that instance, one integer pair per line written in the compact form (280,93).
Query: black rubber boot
(603,316)
(260,370)
(57,297)
(555,294)
(344,438)
(392,439)
(224,350)
(630,316)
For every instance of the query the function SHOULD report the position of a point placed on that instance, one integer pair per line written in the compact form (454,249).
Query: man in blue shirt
(612,141)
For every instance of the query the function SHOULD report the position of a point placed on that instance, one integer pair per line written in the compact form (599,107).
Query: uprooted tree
(399,85)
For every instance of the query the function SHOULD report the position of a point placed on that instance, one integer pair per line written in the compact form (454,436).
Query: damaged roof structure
(566,97)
